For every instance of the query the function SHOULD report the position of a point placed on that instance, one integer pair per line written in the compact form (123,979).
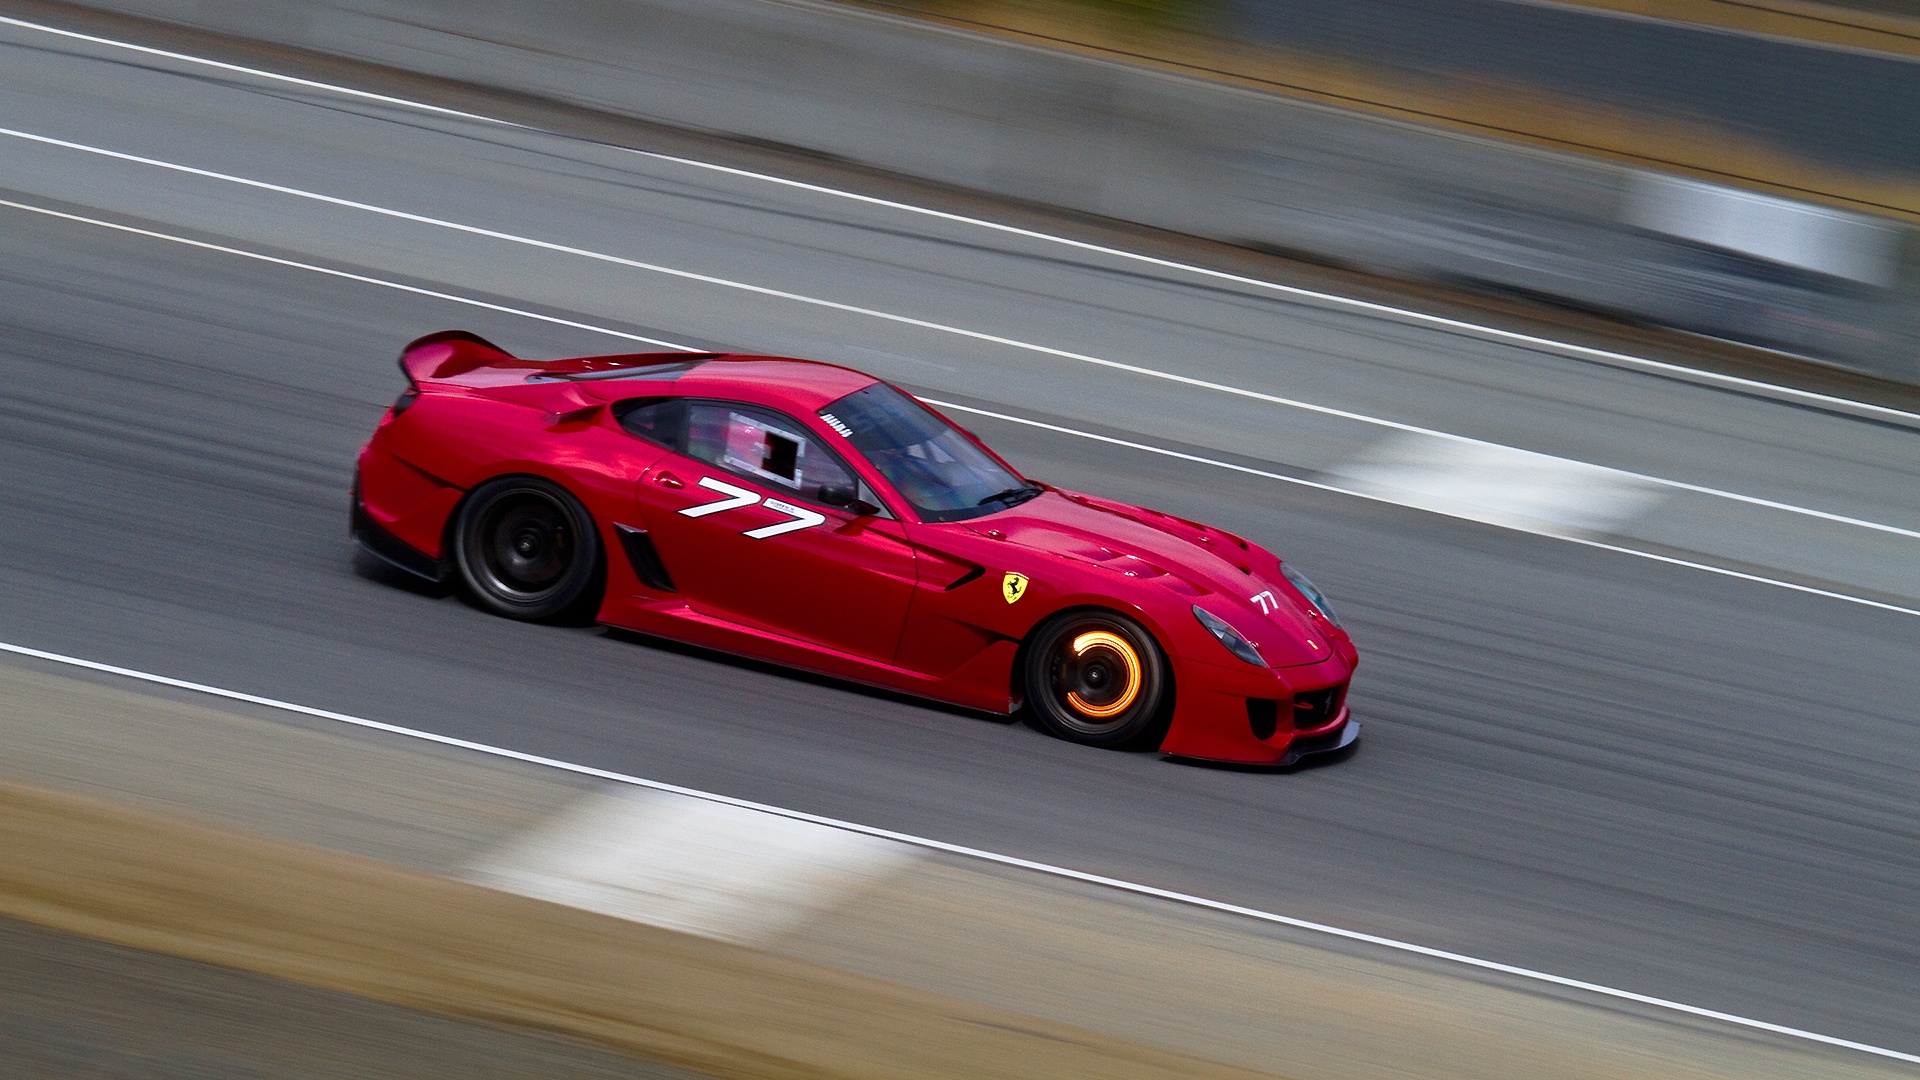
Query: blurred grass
(341,922)
(1178,14)
(1813,19)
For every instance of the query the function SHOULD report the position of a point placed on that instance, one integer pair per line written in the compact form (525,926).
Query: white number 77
(738,497)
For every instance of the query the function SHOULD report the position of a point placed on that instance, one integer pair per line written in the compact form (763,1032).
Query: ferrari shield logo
(1013,587)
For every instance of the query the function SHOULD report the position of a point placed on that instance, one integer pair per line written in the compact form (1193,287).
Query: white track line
(976,853)
(1608,357)
(691,865)
(1338,490)
(258,73)
(330,272)
(1494,333)
(908,320)
(1058,429)
(1605,356)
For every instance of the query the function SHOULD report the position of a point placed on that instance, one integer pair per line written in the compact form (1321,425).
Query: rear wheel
(1097,677)
(527,549)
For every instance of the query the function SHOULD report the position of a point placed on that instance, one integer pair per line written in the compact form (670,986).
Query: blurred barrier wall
(1755,83)
(1161,150)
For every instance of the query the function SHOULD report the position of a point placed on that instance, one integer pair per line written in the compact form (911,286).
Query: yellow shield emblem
(1013,587)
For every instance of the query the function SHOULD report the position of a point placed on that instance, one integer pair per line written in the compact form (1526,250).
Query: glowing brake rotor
(1121,647)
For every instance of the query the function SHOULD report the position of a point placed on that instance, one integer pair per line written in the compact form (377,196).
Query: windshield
(933,466)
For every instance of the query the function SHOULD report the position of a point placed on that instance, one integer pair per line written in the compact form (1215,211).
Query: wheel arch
(1079,606)
(529,470)
(594,598)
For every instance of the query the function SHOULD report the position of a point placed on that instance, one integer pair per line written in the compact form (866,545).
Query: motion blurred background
(1735,169)
(1740,170)
(1638,669)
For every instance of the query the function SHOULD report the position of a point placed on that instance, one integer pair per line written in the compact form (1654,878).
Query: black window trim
(867,492)
(920,514)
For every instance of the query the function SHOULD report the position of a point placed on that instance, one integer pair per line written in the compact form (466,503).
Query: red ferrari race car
(812,516)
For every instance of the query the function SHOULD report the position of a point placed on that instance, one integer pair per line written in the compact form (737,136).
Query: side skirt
(978,684)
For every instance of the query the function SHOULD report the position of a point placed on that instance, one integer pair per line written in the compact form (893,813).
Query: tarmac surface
(1614,769)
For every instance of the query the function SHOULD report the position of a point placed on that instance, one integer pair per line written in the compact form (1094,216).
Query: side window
(659,420)
(765,446)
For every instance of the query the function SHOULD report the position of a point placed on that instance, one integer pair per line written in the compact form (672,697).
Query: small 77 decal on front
(739,498)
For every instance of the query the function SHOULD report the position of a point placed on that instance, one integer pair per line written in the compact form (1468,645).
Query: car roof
(802,386)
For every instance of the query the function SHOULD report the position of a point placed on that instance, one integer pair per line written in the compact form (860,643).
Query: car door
(739,522)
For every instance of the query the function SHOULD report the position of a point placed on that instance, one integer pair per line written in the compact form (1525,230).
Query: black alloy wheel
(1097,677)
(527,549)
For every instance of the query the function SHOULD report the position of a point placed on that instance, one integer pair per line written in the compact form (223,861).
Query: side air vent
(645,559)
(971,575)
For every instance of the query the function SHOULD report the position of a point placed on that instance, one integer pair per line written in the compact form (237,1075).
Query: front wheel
(527,549)
(1097,677)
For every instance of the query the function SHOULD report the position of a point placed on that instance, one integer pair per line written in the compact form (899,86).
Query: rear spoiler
(450,354)
(465,359)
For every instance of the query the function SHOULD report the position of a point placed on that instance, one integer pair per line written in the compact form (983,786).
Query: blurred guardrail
(1138,144)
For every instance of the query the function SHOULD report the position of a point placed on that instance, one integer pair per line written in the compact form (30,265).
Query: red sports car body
(812,516)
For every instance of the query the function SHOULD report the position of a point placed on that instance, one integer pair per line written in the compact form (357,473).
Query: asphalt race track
(1599,765)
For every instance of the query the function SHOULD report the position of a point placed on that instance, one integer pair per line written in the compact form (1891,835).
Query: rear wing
(449,354)
(459,358)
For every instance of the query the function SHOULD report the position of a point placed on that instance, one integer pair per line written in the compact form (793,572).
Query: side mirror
(847,497)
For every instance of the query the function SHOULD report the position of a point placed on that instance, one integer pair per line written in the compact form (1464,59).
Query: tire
(1098,678)
(527,549)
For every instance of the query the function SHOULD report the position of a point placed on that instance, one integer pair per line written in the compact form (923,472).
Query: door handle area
(668,480)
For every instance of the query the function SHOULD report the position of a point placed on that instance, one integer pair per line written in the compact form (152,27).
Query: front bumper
(1326,742)
(1248,716)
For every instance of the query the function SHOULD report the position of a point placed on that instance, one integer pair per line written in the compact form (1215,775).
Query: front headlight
(1228,636)
(1314,596)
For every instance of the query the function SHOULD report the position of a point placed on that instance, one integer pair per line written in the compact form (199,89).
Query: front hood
(1152,550)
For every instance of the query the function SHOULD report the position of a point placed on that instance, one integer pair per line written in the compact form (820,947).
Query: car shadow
(373,568)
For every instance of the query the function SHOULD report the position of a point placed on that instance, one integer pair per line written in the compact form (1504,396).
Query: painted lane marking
(1336,489)
(1607,357)
(953,406)
(733,498)
(979,854)
(907,320)
(363,279)
(1516,489)
(258,73)
(1413,316)
(699,866)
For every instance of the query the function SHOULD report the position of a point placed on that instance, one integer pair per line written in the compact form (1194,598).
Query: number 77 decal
(803,518)
(739,497)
